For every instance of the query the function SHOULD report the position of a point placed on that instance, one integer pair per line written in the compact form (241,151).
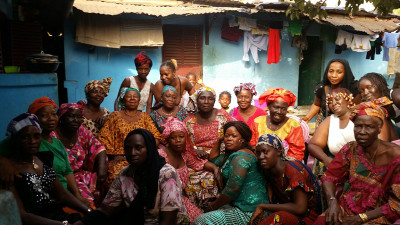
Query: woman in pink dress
(246,112)
(179,153)
(86,154)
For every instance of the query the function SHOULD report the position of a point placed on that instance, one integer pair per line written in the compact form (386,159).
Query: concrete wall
(223,67)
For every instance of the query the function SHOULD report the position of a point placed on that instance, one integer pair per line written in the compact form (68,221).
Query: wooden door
(185,44)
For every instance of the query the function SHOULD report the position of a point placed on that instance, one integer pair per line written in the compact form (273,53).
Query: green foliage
(306,8)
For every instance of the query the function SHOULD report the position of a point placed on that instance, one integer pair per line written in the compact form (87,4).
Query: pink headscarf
(173,124)
(68,106)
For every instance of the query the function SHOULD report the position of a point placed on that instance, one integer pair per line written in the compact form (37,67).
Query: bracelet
(332,198)
(65,222)
(89,210)
(363,217)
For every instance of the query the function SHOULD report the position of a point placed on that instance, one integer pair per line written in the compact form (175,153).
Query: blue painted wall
(223,67)
(18,91)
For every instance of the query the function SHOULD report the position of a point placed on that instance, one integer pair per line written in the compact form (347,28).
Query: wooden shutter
(25,39)
(185,44)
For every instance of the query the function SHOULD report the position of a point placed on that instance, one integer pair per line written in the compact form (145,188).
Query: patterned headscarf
(122,93)
(173,124)
(192,104)
(104,84)
(21,121)
(68,106)
(40,103)
(247,86)
(142,59)
(274,141)
(369,109)
(168,88)
(277,94)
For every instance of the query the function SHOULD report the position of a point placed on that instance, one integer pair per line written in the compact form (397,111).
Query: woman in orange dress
(120,123)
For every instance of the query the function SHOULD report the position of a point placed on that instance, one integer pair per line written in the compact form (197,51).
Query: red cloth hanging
(274,46)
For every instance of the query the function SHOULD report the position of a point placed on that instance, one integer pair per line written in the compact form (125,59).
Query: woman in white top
(334,132)
(143,65)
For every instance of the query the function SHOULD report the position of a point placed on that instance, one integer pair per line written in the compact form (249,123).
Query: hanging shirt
(390,40)
(344,38)
(360,43)
(254,43)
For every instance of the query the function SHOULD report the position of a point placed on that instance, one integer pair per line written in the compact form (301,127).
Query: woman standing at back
(337,75)
(168,77)
(140,82)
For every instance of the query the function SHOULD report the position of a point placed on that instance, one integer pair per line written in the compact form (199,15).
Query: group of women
(187,162)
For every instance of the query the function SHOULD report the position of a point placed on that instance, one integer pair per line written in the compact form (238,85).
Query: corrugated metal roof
(364,24)
(154,8)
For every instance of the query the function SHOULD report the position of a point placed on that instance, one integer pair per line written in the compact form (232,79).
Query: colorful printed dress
(295,175)
(235,114)
(82,158)
(90,124)
(244,185)
(291,132)
(160,120)
(169,196)
(113,134)
(366,186)
(193,162)
(204,136)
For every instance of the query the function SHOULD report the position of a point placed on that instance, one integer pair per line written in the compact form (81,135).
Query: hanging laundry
(344,38)
(285,34)
(371,53)
(254,43)
(274,47)
(360,43)
(259,31)
(247,23)
(394,61)
(378,45)
(230,33)
(390,40)
(295,27)
(300,41)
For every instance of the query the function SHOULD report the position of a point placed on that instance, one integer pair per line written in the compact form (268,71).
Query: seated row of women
(263,186)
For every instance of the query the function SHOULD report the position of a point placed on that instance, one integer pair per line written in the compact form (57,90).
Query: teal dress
(244,184)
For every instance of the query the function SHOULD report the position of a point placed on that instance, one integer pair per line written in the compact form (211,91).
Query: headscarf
(142,59)
(274,141)
(40,103)
(122,94)
(168,88)
(369,109)
(173,124)
(348,81)
(104,84)
(192,104)
(343,93)
(21,121)
(277,94)
(68,106)
(247,86)
(147,193)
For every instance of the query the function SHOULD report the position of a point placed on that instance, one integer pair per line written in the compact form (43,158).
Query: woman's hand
(201,154)
(305,119)
(334,214)
(327,161)
(101,121)
(209,207)
(83,200)
(79,223)
(352,220)
(257,215)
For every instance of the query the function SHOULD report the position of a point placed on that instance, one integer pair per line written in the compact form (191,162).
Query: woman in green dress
(244,185)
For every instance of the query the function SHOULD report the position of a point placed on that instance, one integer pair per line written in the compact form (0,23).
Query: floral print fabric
(169,196)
